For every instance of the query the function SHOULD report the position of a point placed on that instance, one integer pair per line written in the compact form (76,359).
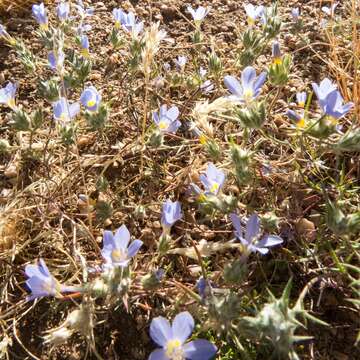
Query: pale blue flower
(64,112)
(116,249)
(63,11)
(253,12)
(84,42)
(83,12)
(39,12)
(180,62)
(41,283)
(250,86)
(330,10)
(90,98)
(330,100)
(276,52)
(252,239)
(301,98)
(128,22)
(199,14)
(56,60)
(295,13)
(297,118)
(171,213)
(166,120)
(172,339)
(213,179)
(7,95)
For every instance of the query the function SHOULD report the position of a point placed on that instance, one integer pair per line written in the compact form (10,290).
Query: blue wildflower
(213,179)
(82,11)
(42,283)
(204,288)
(172,339)
(298,119)
(253,12)
(250,86)
(7,95)
(65,112)
(63,11)
(180,63)
(116,250)
(330,99)
(252,239)
(84,41)
(276,53)
(301,98)
(56,61)
(199,14)
(166,120)
(330,10)
(171,213)
(90,98)
(295,13)
(128,22)
(39,12)
(6,36)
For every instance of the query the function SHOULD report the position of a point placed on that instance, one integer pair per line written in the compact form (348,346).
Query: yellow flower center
(214,187)
(44,27)
(117,24)
(85,52)
(251,21)
(248,94)
(301,123)
(173,350)
(118,255)
(277,61)
(91,103)
(301,104)
(202,197)
(11,103)
(203,139)
(333,121)
(163,125)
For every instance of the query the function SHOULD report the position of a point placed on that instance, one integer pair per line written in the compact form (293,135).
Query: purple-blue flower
(172,339)
(301,98)
(295,13)
(39,12)
(90,98)
(298,119)
(56,60)
(42,283)
(213,179)
(330,99)
(64,112)
(63,11)
(166,120)
(180,62)
(253,12)
(250,86)
(252,239)
(330,10)
(171,213)
(204,287)
(128,21)
(7,95)
(82,11)
(84,42)
(276,53)
(199,14)
(116,249)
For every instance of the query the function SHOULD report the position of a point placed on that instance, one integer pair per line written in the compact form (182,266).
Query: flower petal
(134,247)
(160,330)
(158,354)
(183,326)
(248,77)
(237,224)
(122,237)
(270,240)
(199,350)
(252,227)
(233,85)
